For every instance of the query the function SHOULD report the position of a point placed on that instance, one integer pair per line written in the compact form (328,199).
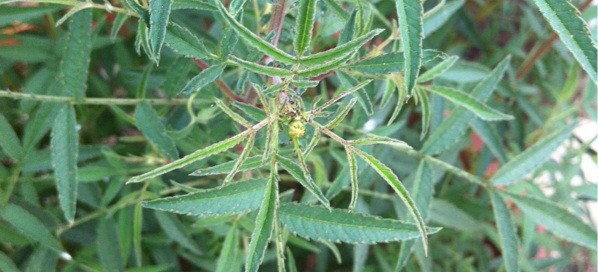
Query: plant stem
(93,100)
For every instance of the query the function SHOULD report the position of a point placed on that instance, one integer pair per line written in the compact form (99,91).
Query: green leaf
(316,70)
(374,139)
(250,163)
(556,219)
(437,70)
(233,115)
(227,259)
(261,69)
(193,4)
(448,214)
(304,25)
(390,63)
(159,11)
(426,112)
(30,226)
(352,164)
(530,159)
(137,229)
(252,39)
(176,231)
(9,141)
(339,52)
(452,128)
(204,78)
(338,225)
(6,264)
(246,150)
(149,123)
(119,21)
(490,137)
(183,42)
(341,114)
(251,111)
(350,82)
(565,19)
(410,13)
(302,175)
(75,56)
(436,18)
(235,198)
(264,223)
(108,247)
(10,14)
(464,100)
(65,150)
(506,231)
(392,180)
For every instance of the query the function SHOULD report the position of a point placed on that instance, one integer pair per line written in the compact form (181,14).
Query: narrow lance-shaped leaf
(73,72)
(410,13)
(453,127)
(149,123)
(556,219)
(261,69)
(392,180)
(233,115)
(137,228)
(9,141)
(336,225)
(565,19)
(306,15)
(390,63)
(490,137)
(530,159)
(65,150)
(364,99)
(339,52)
(183,42)
(301,173)
(197,155)
(352,163)
(320,69)
(176,231)
(342,113)
(231,199)
(437,70)
(30,226)
(264,223)
(227,259)
(246,150)
(506,231)
(107,245)
(252,39)
(374,139)
(426,112)
(250,163)
(159,12)
(204,78)
(464,100)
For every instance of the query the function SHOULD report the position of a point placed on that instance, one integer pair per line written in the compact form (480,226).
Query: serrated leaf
(193,157)
(390,63)
(235,198)
(65,150)
(159,12)
(251,111)
(350,82)
(530,159)
(341,114)
(246,150)
(339,52)
(250,163)
(149,123)
(252,39)
(426,112)
(506,231)
(349,30)
(27,224)
(556,219)
(77,50)
(183,42)
(306,14)
(316,70)
(264,223)
(107,245)
(233,115)
(374,139)
(227,259)
(566,21)
(261,69)
(302,175)
(490,137)
(338,225)
(176,231)
(9,141)
(392,180)
(410,13)
(465,100)
(352,164)
(437,70)
(453,127)
(204,78)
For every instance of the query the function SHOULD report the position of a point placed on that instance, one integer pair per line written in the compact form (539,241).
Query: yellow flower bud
(296,129)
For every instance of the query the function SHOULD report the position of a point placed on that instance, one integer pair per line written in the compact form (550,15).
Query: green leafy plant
(251,134)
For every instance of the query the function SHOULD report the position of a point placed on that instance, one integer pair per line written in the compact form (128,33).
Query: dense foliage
(310,135)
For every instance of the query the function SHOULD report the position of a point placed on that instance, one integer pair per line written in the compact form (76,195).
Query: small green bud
(296,129)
